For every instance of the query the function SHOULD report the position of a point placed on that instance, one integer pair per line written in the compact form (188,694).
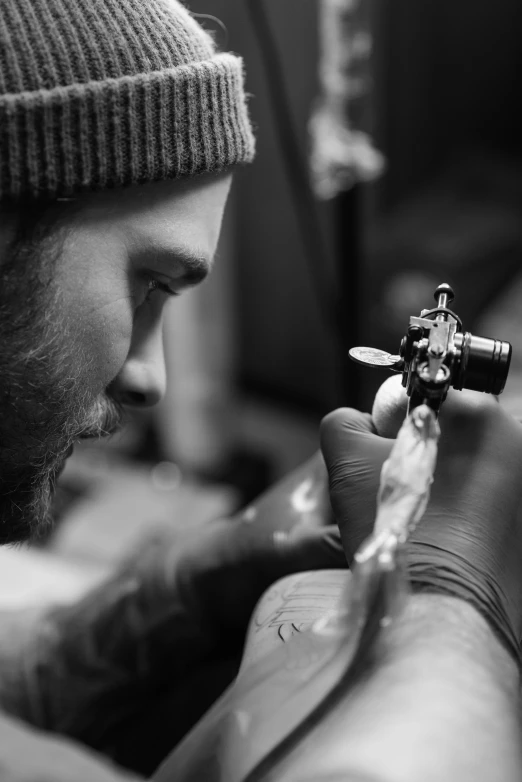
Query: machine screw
(444,295)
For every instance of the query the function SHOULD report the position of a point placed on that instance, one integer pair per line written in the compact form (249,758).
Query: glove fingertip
(346,419)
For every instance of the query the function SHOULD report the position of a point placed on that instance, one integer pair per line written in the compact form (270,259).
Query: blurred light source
(166,476)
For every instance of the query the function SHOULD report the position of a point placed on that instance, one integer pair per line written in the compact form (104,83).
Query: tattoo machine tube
(380,583)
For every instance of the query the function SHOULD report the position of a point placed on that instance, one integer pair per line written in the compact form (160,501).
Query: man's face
(82,325)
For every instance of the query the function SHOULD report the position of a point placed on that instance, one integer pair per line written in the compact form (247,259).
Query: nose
(142,380)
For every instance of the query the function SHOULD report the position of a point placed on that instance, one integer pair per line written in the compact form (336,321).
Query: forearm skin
(440,702)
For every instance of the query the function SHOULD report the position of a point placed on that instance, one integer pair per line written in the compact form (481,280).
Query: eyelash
(155,285)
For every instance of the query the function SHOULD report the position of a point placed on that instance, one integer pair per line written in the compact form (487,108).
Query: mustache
(106,417)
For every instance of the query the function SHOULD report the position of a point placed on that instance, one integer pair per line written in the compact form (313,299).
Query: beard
(45,401)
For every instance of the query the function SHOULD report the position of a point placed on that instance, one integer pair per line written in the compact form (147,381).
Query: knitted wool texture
(104,93)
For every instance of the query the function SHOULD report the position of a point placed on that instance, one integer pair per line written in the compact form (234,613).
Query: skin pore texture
(83,288)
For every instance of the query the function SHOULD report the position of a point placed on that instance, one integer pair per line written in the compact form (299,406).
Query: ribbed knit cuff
(134,129)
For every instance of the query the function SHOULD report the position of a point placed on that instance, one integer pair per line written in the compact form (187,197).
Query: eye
(154,284)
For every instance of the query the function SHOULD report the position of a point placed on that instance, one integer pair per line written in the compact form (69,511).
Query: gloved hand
(290,528)
(131,667)
(469,543)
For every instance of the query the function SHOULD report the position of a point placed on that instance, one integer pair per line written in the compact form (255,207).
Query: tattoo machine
(436,354)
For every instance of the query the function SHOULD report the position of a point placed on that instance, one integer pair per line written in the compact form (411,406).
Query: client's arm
(440,704)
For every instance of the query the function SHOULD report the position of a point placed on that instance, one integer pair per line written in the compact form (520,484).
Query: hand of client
(469,543)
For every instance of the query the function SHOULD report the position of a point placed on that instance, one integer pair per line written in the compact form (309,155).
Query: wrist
(432,571)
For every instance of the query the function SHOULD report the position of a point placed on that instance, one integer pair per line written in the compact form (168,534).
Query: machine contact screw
(444,295)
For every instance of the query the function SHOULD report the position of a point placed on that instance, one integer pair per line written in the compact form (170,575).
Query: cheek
(105,338)
(95,282)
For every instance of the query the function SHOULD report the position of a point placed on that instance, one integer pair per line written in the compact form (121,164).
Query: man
(119,124)
(119,128)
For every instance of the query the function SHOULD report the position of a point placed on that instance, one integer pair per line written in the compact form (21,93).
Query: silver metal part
(436,355)
(441,375)
(373,357)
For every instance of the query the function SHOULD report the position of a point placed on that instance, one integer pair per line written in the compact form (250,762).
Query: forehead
(146,214)
(168,228)
(153,214)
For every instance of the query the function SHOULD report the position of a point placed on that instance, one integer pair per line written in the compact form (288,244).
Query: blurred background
(389,160)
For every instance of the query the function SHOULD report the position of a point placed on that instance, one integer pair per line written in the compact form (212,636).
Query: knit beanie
(103,93)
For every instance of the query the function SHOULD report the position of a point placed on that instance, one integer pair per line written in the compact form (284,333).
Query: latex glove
(469,543)
(27,755)
(219,574)
(299,499)
(131,667)
(290,528)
